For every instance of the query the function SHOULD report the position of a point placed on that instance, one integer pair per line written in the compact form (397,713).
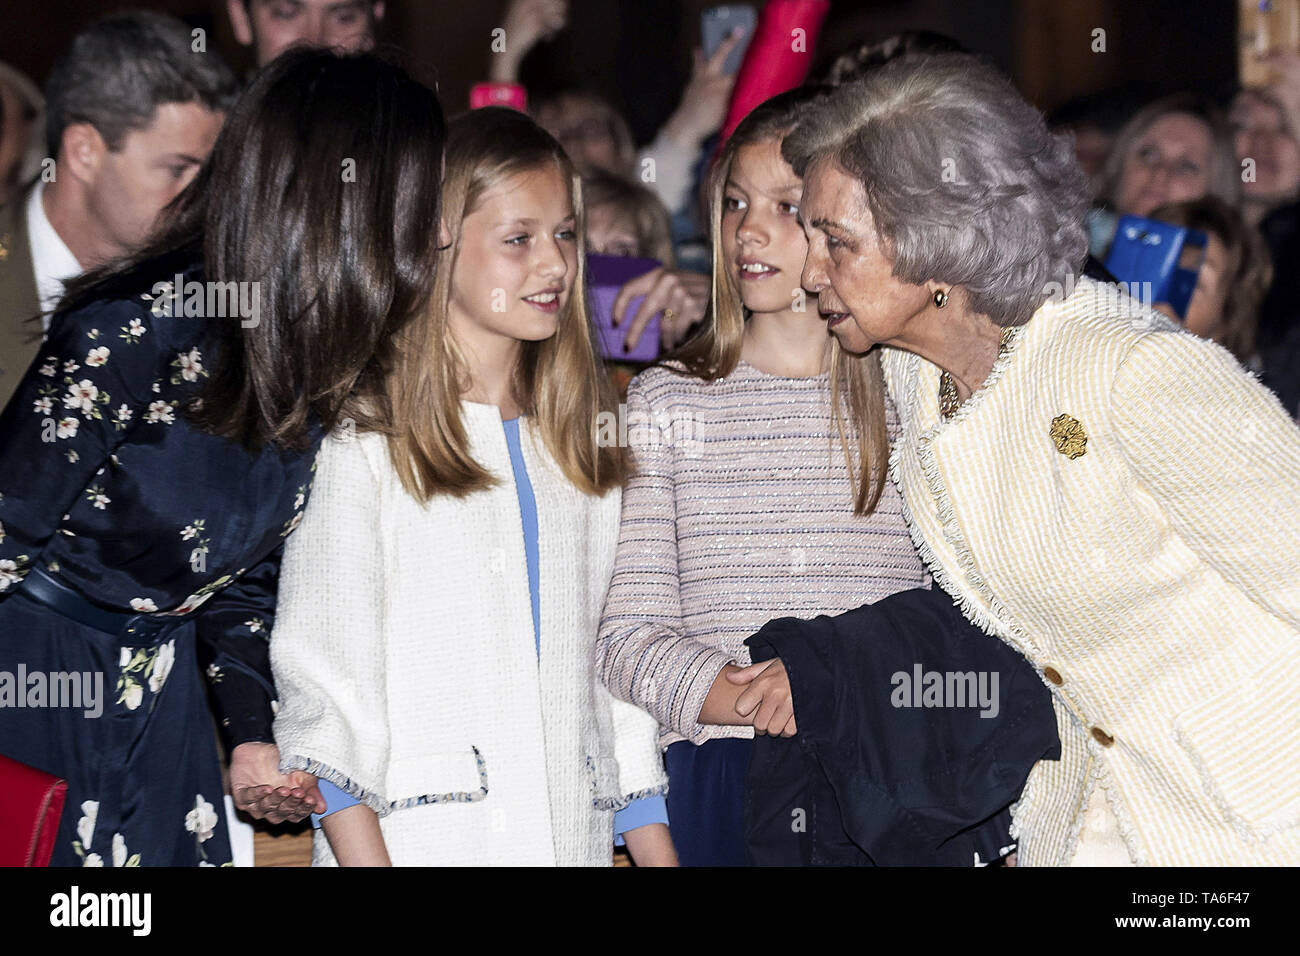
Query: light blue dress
(640,812)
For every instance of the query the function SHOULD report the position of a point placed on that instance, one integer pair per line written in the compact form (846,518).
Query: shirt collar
(52,261)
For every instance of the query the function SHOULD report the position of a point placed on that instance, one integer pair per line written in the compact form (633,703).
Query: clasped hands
(259,788)
(758,695)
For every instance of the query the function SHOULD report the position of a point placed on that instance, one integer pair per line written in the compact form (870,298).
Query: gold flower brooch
(1070,438)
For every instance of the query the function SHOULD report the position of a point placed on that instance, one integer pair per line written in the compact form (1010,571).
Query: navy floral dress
(107,490)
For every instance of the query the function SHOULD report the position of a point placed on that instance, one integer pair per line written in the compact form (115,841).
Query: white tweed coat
(404,656)
(1153,579)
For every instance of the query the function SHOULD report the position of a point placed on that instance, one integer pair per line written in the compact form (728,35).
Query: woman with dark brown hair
(161,449)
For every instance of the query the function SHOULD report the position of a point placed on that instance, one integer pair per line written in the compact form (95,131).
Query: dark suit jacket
(20,331)
(872,779)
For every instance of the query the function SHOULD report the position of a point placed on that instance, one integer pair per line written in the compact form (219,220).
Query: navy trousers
(706,795)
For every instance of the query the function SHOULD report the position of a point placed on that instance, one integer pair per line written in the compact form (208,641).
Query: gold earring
(940,298)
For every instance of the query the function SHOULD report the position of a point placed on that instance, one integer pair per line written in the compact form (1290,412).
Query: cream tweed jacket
(1119,501)
(404,657)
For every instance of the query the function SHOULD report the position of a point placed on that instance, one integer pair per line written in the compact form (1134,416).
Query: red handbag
(31,802)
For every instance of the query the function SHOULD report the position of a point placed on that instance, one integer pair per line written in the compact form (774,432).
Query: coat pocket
(605,792)
(453,776)
(1244,745)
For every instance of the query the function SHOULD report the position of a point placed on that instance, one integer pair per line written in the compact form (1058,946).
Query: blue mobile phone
(1158,261)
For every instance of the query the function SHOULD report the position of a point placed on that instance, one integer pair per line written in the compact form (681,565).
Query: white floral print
(86,825)
(97,356)
(162,665)
(192,602)
(161,411)
(81,396)
(202,820)
(131,333)
(134,664)
(86,833)
(67,428)
(11,572)
(144,605)
(132,696)
(190,365)
(43,406)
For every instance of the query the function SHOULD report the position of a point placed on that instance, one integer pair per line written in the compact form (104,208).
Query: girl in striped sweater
(760,491)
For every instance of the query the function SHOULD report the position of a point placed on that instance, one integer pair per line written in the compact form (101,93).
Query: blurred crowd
(1227,166)
(127,119)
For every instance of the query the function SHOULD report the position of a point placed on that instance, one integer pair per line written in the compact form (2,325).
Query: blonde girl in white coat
(440,600)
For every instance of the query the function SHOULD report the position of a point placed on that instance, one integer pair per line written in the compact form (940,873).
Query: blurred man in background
(272,26)
(131,113)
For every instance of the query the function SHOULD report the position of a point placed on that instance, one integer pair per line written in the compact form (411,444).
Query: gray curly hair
(963,180)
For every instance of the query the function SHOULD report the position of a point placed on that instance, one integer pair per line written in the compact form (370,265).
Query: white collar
(52,260)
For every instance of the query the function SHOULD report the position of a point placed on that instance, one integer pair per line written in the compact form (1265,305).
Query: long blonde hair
(558,381)
(855,380)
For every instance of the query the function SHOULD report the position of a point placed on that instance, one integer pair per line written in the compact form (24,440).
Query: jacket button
(1053,676)
(1102,737)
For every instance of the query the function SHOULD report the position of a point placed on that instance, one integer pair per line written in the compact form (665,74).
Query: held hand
(768,702)
(260,790)
(683,293)
(705,99)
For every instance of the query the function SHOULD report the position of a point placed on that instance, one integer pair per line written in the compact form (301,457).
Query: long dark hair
(324,189)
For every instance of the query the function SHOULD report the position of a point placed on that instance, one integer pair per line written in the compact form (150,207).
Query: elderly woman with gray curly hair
(1112,496)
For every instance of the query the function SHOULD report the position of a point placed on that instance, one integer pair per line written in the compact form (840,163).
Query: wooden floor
(290,845)
(285,845)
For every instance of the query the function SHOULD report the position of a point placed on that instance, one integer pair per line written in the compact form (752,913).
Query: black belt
(42,588)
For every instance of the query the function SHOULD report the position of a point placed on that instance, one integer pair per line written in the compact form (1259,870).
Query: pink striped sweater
(740,511)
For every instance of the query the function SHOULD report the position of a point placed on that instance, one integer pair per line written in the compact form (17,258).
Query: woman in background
(1175,149)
